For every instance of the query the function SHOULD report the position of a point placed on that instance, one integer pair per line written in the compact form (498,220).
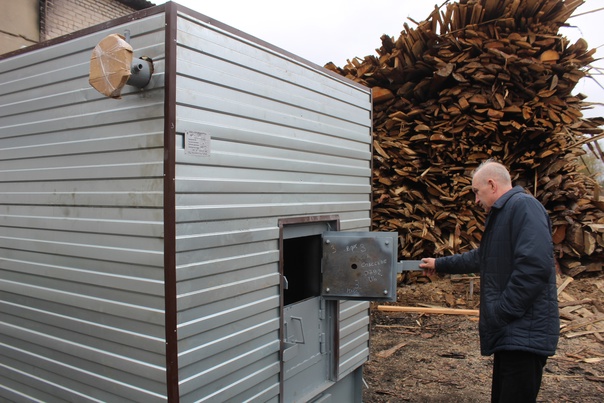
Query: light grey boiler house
(200,239)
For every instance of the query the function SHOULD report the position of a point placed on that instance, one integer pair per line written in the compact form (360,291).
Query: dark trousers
(516,376)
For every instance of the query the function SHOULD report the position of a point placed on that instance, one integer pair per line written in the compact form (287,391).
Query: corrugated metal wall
(81,227)
(286,140)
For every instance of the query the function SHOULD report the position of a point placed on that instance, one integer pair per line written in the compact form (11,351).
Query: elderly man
(519,319)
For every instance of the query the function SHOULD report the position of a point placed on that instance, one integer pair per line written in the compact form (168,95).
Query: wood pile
(482,79)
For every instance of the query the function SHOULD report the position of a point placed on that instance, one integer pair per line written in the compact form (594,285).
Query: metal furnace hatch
(321,265)
(359,265)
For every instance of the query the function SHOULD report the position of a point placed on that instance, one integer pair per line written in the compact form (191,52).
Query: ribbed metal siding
(286,140)
(354,335)
(81,228)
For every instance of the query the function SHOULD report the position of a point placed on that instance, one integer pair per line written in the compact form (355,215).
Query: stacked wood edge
(482,79)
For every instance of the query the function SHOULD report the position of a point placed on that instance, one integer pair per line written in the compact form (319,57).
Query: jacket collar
(507,196)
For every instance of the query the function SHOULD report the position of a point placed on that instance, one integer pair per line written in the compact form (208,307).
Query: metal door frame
(306,227)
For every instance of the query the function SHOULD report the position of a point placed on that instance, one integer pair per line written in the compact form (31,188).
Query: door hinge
(322,347)
(321,308)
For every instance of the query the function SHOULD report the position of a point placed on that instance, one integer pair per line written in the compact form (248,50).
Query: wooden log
(416,309)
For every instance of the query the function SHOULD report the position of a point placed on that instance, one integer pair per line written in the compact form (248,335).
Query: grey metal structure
(167,246)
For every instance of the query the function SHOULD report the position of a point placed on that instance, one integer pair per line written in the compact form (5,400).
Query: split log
(391,350)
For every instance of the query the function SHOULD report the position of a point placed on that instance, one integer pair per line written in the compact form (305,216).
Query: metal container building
(167,246)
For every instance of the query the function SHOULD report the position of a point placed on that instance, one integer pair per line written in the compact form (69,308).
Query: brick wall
(65,16)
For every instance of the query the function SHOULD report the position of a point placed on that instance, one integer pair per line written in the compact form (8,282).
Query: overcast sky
(325,30)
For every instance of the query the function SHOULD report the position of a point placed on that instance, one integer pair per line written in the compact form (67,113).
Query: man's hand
(429,266)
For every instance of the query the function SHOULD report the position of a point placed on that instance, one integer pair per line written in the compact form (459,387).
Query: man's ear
(493,185)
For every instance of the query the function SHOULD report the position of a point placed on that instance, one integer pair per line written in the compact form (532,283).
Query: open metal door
(359,265)
(321,266)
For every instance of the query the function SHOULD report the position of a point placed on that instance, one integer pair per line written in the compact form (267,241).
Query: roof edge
(137,4)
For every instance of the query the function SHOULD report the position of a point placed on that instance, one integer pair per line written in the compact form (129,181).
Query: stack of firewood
(482,79)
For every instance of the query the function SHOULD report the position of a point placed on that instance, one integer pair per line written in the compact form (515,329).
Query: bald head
(490,181)
(494,170)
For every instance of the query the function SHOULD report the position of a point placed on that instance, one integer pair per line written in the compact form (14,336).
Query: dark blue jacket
(518,298)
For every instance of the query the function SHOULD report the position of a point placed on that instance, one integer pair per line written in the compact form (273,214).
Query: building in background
(26,22)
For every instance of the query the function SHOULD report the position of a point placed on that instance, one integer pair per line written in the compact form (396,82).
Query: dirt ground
(418,357)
